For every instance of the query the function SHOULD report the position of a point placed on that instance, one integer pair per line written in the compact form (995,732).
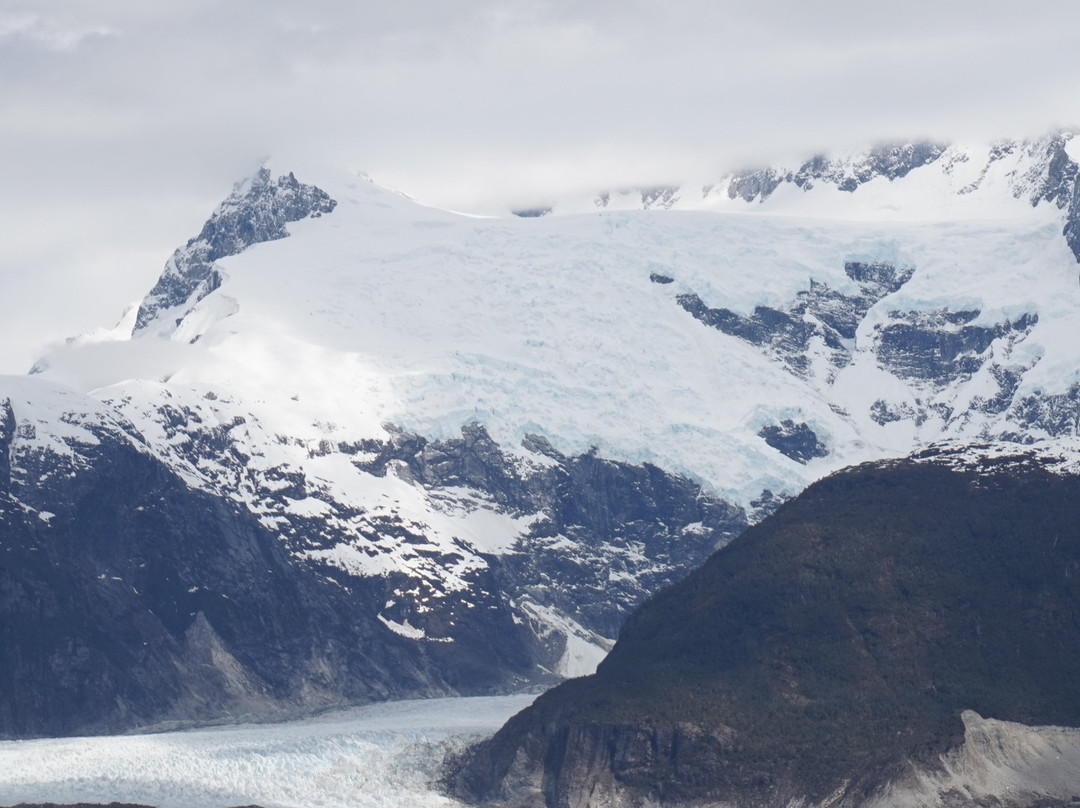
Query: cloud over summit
(123,122)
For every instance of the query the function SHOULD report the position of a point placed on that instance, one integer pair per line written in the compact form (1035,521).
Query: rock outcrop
(257,211)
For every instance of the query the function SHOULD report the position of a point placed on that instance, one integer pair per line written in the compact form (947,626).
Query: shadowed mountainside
(822,650)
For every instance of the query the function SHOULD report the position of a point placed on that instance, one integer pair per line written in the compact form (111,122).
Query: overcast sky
(123,122)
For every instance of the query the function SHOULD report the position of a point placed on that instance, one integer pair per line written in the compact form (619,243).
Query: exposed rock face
(255,212)
(1051,414)
(1072,225)
(935,351)
(662,197)
(7,435)
(888,161)
(797,441)
(940,347)
(823,653)
(819,314)
(1000,763)
(943,347)
(1055,180)
(136,600)
(598,536)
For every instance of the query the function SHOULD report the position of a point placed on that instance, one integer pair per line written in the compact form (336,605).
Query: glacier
(380,756)
(386,312)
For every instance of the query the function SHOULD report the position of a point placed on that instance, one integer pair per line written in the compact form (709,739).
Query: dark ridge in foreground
(822,652)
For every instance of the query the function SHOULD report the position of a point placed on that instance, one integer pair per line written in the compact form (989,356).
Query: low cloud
(124,122)
(50,33)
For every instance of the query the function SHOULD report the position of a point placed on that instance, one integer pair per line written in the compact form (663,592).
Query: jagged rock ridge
(819,312)
(891,161)
(1052,176)
(255,212)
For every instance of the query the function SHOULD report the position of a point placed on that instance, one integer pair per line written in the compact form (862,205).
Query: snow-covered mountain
(543,419)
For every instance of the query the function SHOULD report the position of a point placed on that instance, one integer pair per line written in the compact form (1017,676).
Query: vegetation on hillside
(839,637)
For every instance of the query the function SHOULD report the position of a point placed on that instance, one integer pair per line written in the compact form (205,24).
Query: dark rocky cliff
(137,600)
(130,599)
(821,651)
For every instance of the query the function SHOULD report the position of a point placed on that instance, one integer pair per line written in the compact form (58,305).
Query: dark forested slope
(823,648)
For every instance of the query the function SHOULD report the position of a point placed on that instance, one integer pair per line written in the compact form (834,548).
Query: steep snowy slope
(548,418)
(383,311)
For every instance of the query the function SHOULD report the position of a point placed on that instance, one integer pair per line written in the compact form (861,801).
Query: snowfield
(379,756)
(388,312)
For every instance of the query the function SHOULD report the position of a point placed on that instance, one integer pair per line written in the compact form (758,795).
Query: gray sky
(123,122)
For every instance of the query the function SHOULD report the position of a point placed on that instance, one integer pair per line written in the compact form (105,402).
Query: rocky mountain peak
(256,211)
(891,161)
(1037,171)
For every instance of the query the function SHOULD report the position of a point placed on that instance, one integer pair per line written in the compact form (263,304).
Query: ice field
(383,755)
